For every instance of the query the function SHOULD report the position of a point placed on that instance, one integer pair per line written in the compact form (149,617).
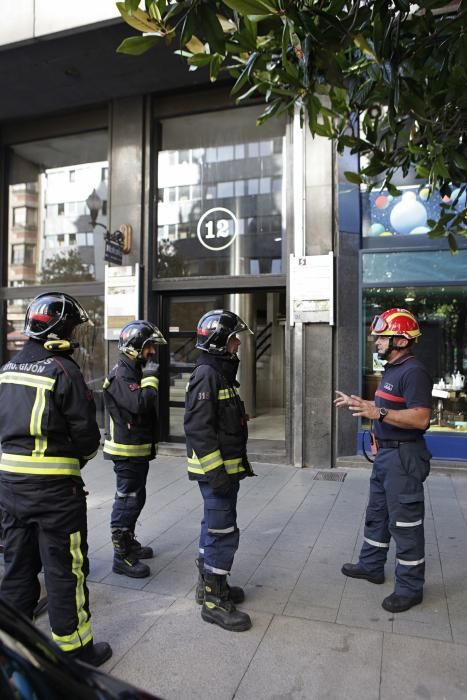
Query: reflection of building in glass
(23,224)
(70,247)
(244,178)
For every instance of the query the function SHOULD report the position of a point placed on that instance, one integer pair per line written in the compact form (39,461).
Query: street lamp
(121,237)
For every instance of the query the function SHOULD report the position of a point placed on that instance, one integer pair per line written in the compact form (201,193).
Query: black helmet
(53,315)
(135,335)
(215,328)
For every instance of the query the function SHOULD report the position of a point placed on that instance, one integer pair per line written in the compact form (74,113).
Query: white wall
(28,19)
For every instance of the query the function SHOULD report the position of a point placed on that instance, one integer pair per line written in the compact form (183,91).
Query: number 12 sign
(217,228)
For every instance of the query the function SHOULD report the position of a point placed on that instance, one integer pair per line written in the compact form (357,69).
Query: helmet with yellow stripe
(396,322)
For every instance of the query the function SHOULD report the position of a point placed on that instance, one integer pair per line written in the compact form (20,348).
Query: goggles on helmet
(379,325)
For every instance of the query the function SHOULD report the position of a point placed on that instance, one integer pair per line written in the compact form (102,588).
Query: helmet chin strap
(60,345)
(384,355)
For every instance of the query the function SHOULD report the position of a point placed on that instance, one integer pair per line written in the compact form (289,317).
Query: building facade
(222,213)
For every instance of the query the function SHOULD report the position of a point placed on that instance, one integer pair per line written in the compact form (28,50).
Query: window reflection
(220,195)
(442,314)
(50,237)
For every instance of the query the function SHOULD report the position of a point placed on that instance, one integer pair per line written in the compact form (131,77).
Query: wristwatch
(383,412)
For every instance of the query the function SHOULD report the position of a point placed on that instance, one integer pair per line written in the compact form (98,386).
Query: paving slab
(181,657)
(423,669)
(305,659)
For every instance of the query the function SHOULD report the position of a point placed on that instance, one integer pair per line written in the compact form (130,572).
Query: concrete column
(244,306)
(318,337)
(126,170)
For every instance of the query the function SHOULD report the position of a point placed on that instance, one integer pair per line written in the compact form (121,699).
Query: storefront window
(50,236)
(220,197)
(91,354)
(442,314)
(404,217)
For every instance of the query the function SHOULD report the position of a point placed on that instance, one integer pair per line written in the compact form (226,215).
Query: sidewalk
(315,634)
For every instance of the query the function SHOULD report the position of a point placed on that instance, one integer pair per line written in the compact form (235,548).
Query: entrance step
(172,449)
(439,466)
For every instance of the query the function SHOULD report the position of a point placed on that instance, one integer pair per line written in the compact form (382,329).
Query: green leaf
(355,178)
(137,45)
(453,244)
(200,59)
(252,7)
(131,5)
(216,63)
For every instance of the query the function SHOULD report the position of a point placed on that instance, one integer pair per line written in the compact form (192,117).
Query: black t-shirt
(405,384)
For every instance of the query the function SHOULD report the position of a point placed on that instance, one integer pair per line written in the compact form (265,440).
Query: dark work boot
(395,603)
(124,561)
(236,594)
(355,571)
(93,654)
(218,608)
(137,549)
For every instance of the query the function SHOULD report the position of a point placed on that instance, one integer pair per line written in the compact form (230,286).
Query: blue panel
(441,445)
(416,266)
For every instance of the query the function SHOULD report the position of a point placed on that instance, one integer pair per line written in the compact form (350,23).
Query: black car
(33,668)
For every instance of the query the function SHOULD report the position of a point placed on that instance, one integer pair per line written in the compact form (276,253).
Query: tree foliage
(401,67)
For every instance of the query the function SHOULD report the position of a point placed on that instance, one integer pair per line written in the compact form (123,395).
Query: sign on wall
(312,289)
(217,228)
(121,298)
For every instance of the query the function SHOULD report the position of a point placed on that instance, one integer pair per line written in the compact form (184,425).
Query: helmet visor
(156,338)
(378,325)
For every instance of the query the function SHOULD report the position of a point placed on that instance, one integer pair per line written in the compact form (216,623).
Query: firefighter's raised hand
(342,400)
(363,409)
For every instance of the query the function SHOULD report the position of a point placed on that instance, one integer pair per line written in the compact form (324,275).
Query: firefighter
(48,433)
(131,399)
(401,414)
(216,438)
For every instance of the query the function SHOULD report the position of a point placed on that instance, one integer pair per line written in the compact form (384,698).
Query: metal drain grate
(330,476)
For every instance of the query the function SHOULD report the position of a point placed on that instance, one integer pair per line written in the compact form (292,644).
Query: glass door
(262,359)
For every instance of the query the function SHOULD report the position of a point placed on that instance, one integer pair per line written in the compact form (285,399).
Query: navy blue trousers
(131,494)
(396,508)
(220,535)
(45,523)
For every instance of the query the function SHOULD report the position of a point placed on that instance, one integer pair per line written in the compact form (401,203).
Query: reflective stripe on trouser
(130,496)
(219,532)
(45,524)
(396,508)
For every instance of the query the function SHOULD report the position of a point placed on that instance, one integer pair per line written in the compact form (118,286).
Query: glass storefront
(220,212)
(51,240)
(50,236)
(442,314)
(220,195)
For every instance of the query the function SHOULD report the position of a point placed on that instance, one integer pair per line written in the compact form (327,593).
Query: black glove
(220,482)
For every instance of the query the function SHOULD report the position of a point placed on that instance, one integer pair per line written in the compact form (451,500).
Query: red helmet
(396,322)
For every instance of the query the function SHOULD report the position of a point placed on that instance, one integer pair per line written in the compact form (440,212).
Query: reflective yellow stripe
(111,426)
(150,381)
(26,379)
(53,466)
(82,635)
(35,426)
(91,456)
(121,450)
(206,463)
(234,466)
(106,384)
(225,394)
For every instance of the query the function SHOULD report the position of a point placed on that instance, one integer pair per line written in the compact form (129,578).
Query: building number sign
(217,228)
